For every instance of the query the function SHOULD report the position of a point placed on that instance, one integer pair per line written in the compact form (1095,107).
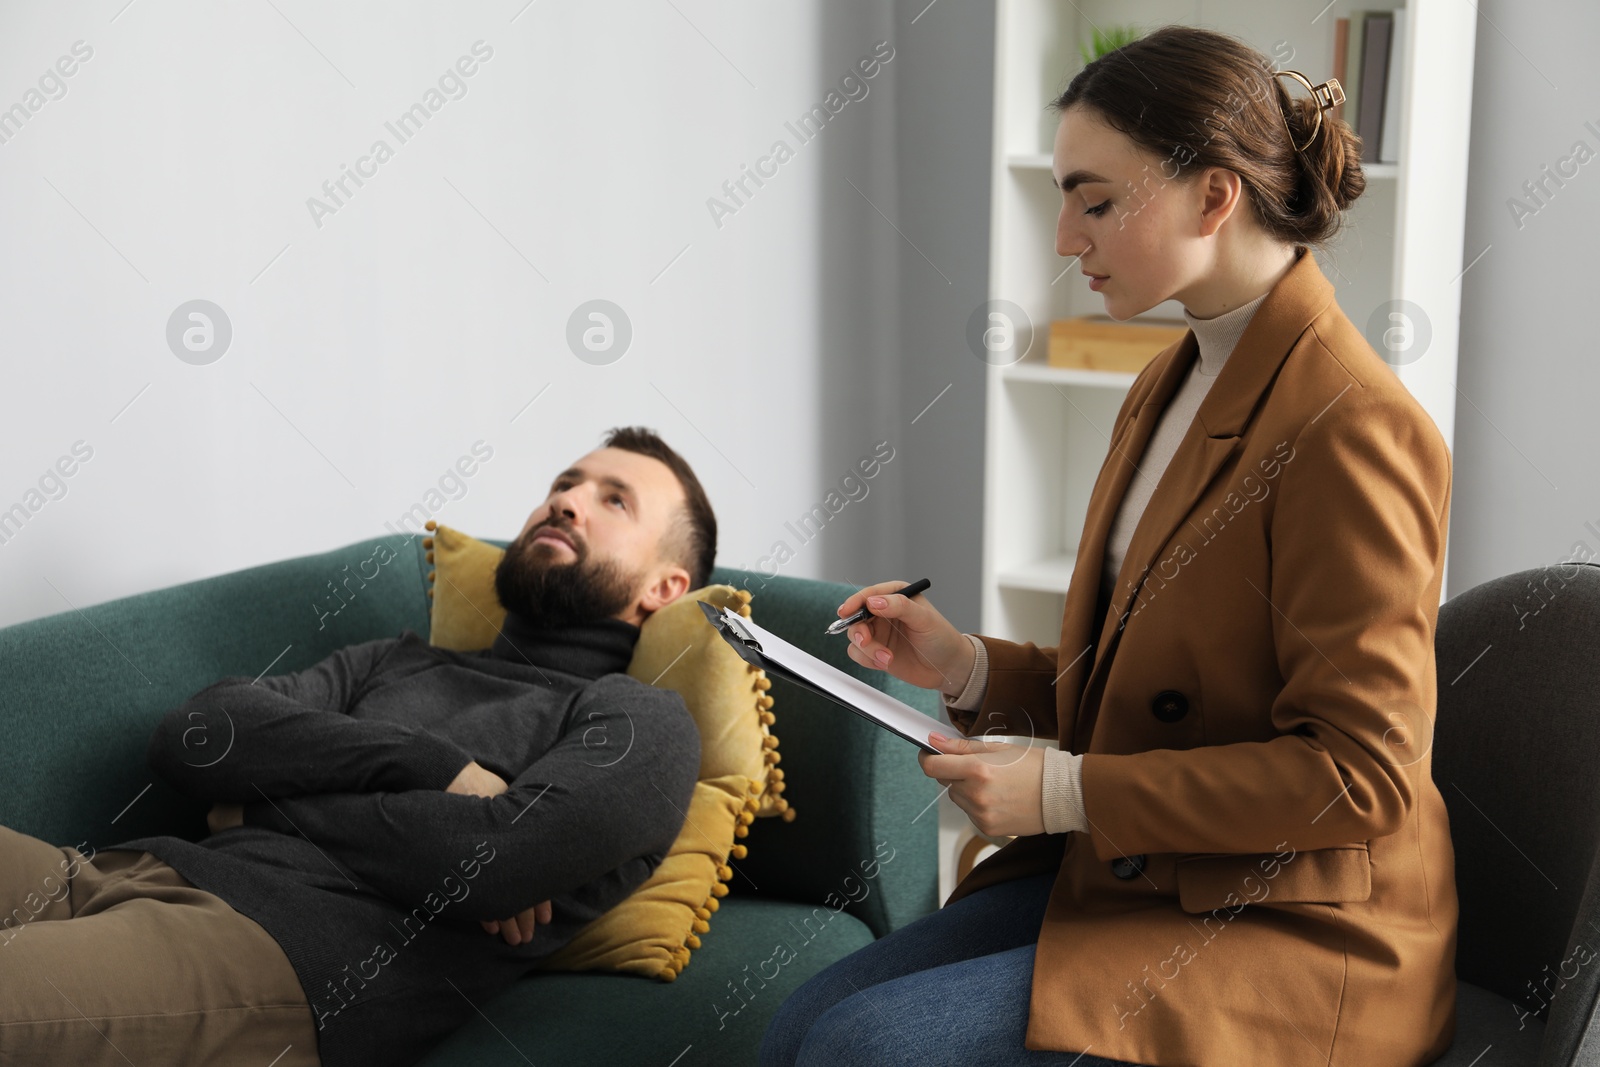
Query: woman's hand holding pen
(997,784)
(908,638)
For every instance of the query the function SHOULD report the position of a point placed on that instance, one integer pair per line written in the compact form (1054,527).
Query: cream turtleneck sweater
(1062,788)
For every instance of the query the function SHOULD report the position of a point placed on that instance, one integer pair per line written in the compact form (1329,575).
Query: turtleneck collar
(1217,336)
(588,650)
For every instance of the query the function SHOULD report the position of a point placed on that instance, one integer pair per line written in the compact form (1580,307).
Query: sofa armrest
(85,689)
(859,794)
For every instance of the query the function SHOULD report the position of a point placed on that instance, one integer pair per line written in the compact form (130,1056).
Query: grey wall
(1526,482)
(910,183)
(943,145)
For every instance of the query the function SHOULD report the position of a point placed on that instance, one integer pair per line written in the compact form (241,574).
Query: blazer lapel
(1209,443)
(1081,620)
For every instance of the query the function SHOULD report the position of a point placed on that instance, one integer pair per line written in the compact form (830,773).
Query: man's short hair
(692,540)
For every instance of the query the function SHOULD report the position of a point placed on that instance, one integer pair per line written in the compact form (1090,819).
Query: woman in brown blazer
(1235,855)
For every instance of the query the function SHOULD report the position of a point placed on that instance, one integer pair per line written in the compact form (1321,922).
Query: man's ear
(668,584)
(1221,194)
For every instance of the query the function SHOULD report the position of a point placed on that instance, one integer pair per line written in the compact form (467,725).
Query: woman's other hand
(908,638)
(999,785)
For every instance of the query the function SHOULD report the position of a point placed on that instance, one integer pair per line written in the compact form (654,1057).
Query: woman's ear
(1220,194)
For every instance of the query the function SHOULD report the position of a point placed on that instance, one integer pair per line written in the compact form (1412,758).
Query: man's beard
(533,582)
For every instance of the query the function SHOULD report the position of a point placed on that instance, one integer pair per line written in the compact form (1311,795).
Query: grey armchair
(1518,732)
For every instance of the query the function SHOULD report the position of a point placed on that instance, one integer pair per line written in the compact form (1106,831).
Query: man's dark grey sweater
(371,878)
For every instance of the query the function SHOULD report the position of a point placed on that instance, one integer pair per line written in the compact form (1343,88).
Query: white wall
(1527,489)
(371,351)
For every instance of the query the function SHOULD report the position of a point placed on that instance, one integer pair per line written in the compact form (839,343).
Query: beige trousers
(115,959)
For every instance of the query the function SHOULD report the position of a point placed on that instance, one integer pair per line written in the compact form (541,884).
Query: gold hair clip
(1329,94)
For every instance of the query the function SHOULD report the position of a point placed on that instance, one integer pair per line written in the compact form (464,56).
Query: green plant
(1103,41)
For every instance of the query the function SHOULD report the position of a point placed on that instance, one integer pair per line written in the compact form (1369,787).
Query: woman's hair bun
(1331,168)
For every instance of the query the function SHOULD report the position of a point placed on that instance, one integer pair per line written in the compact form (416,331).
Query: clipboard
(783,660)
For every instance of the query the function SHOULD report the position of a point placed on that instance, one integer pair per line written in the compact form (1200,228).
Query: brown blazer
(1267,878)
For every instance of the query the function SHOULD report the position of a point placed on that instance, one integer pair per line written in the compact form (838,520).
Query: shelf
(1051,575)
(1044,374)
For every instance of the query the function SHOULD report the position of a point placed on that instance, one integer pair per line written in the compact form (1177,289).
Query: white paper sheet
(897,716)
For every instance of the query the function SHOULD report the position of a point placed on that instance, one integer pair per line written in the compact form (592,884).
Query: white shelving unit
(1047,429)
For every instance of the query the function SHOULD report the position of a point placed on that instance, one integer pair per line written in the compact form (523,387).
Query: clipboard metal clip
(743,641)
(813,675)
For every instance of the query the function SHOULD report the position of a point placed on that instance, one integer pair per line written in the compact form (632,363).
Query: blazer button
(1126,867)
(1170,705)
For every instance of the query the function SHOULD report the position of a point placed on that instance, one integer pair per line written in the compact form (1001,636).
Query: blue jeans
(951,988)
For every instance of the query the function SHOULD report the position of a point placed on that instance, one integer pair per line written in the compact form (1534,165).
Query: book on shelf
(1389,139)
(1374,79)
(1341,57)
(1368,59)
(1350,74)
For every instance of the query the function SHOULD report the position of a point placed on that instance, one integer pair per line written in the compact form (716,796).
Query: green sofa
(83,690)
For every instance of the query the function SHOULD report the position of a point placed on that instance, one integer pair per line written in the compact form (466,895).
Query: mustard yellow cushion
(727,697)
(466,613)
(652,931)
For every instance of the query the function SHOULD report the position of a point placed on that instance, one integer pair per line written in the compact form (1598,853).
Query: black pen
(919,586)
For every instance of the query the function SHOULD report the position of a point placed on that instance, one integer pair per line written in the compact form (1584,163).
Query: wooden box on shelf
(1097,342)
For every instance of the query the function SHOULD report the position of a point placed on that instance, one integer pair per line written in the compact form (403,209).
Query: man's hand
(474,781)
(518,929)
(224,817)
(999,785)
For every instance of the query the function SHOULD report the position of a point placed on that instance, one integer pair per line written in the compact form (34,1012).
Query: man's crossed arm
(372,794)
(238,741)
(574,814)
